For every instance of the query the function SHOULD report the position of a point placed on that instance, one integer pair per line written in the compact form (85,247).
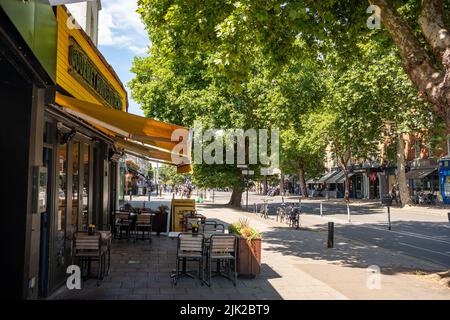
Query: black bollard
(448,214)
(330,234)
(389,217)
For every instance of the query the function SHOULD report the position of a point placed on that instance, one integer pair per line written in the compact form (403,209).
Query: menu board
(178,207)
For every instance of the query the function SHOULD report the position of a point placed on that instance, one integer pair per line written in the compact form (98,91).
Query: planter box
(159,222)
(249,257)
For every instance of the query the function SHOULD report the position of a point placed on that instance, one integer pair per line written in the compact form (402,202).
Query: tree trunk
(346,185)
(405,199)
(281,184)
(301,179)
(236,197)
(265,186)
(432,82)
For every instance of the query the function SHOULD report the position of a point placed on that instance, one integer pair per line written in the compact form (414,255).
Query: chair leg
(200,273)
(235,272)
(175,279)
(99,269)
(209,269)
(109,260)
(89,267)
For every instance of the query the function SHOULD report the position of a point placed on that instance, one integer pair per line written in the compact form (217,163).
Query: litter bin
(386,200)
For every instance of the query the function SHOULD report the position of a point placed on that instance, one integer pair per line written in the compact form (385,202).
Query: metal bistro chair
(89,248)
(122,222)
(222,248)
(189,221)
(190,248)
(144,224)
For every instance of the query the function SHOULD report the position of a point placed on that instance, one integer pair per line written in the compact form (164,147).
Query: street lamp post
(246,172)
(246,197)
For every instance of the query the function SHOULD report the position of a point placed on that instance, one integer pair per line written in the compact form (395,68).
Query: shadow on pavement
(348,253)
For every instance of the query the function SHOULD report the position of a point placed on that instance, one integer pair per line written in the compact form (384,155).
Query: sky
(122,36)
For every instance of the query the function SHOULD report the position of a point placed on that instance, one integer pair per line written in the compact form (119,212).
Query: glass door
(86,163)
(73,226)
(45,232)
(59,222)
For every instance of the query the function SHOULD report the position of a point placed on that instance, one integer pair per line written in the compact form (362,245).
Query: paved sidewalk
(311,271)
(141,271)
(295,265)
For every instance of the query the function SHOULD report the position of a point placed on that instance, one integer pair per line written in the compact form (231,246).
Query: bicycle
(265,210)
(294,218)
(281,213)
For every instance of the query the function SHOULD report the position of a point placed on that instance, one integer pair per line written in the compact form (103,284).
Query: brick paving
(141,271)
(295,265)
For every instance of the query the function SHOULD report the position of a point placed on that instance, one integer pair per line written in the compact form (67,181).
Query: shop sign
(85,71)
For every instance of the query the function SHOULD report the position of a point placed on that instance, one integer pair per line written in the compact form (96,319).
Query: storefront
(319,187)
(79,157)
(444,176)
(423,180)
(373,184)
(27,79)
(357,183)
(66,132)
(89,131)
(335,185)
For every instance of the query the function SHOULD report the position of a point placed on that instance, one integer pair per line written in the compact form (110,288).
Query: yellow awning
(151,132)
(149,152)
(184,169)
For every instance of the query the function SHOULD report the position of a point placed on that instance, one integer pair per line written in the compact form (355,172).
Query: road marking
(410,234)
(410,245)
(405,233)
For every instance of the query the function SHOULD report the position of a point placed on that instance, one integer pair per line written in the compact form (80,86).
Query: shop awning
(420,173)
(336,177)
(134,134)
(151,132)
(151,154)
(342,178)
(326,177)
(311,181)
(142,149)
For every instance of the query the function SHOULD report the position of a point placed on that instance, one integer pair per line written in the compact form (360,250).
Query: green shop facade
(61,173)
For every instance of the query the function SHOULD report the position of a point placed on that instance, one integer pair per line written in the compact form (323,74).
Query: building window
(417,148)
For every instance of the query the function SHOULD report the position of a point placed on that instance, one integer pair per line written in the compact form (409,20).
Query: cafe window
(62,200)
(75,184)
(85,209)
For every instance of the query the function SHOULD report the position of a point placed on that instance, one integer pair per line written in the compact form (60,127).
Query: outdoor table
(174,235)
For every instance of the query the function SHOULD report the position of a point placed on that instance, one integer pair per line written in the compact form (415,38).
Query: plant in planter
(248,248)
(91,229)
(195,228)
